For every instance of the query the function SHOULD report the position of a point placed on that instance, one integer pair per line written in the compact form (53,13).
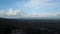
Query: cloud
(33,15)
(2,12)
(33,4)
(37,4)
(14,12)
(11,12)
(21,14)
(57,14)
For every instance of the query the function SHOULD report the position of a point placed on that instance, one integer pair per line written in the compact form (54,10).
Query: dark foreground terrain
(29,26)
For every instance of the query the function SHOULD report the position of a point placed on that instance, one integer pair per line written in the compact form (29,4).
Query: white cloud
(14,12)
(57,14)
(2,12)
(11,12)
(33,4)
(21,14)
(36,4)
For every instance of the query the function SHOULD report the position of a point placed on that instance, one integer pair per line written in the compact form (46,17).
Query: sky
(29,8)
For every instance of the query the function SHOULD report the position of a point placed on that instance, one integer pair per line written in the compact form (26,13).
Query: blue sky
(29,8)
